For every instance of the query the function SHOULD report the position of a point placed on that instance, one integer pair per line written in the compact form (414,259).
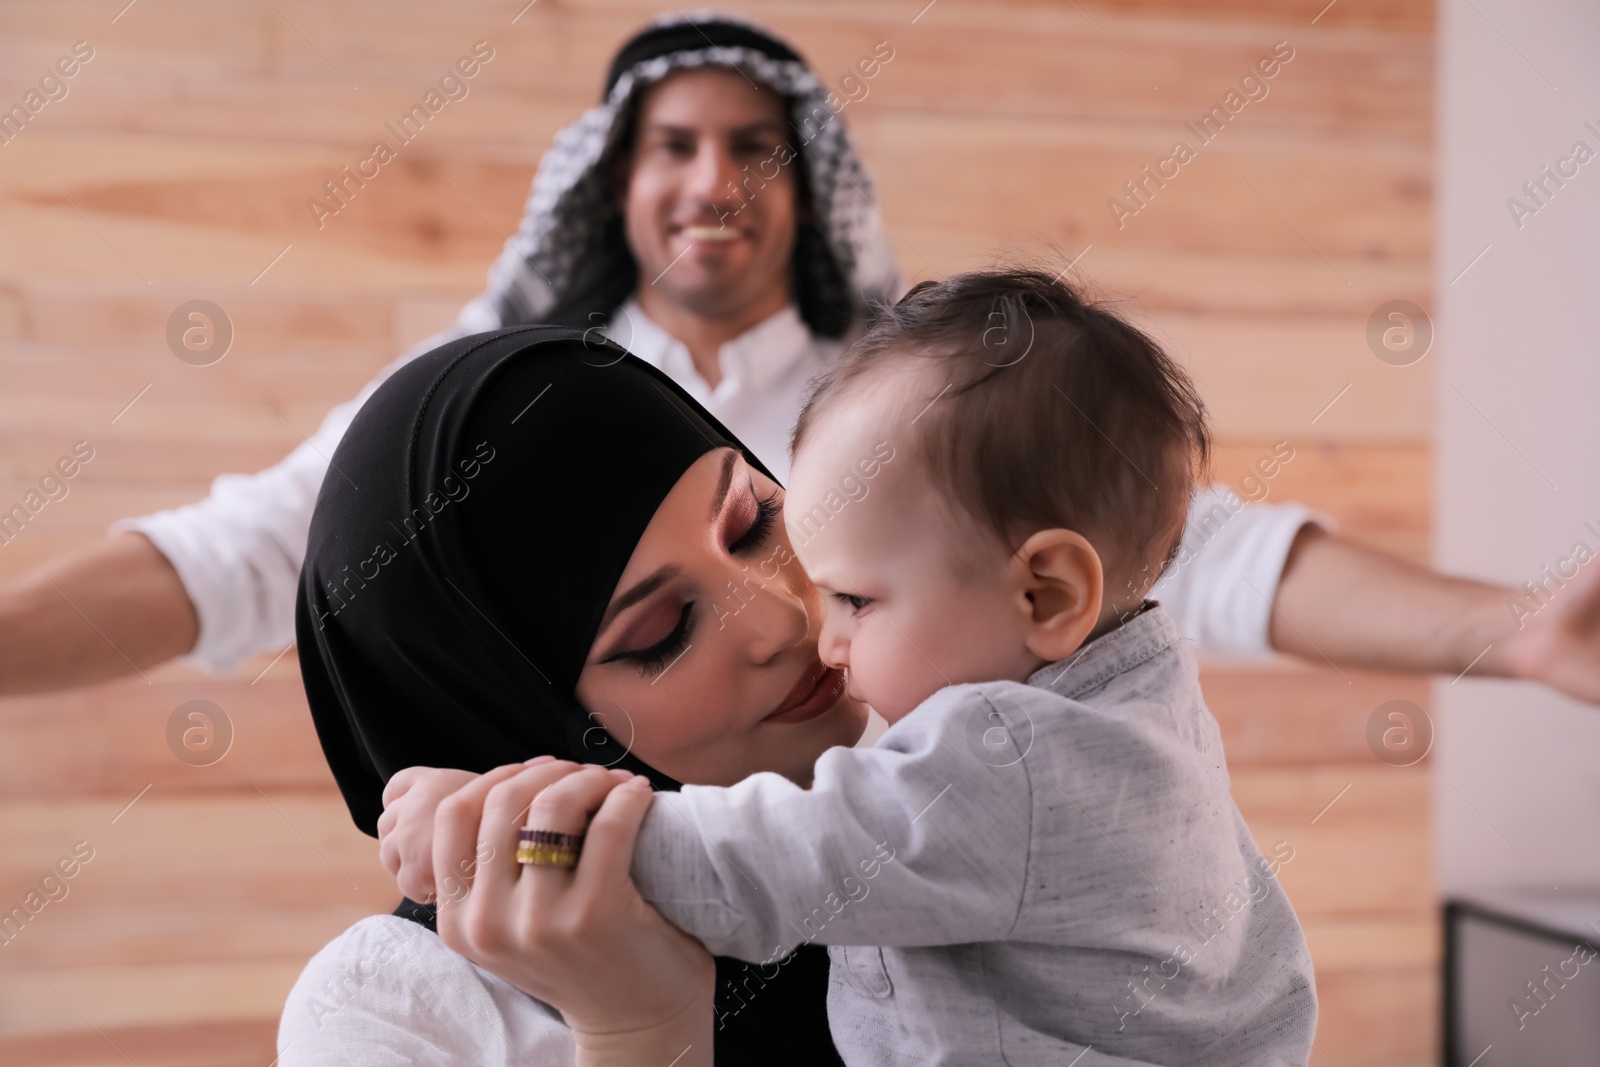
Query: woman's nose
(773,619)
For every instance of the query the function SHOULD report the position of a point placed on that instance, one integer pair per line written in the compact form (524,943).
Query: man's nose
(714,178)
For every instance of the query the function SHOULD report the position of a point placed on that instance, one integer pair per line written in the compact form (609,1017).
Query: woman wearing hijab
(460,566)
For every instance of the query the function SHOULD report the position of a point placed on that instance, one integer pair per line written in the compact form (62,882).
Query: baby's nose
(833,648)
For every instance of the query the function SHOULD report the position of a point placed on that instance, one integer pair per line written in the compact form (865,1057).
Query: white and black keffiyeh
(563,230)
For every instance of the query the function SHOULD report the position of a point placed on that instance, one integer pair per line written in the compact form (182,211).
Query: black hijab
(467,539)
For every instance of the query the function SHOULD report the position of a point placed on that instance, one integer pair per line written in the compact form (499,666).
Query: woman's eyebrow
(638,592)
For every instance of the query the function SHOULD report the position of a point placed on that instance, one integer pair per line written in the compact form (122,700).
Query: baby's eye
(850,600)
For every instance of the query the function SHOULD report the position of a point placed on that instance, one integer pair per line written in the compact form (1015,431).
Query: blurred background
(179,167)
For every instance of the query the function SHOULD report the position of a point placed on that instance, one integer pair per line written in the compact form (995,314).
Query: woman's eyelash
(767,511)
(664,653)
(659,656)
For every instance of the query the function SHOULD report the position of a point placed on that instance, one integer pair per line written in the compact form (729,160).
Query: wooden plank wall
(179,166)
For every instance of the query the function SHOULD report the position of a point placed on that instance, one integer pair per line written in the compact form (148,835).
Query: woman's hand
(633,987)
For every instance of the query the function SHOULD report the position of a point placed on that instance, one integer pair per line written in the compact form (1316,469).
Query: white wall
(1519,337)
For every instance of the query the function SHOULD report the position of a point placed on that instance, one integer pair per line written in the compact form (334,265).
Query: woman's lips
(812,695)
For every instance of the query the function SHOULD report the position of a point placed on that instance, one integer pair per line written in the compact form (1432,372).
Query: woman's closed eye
(764,518)
(758,517)
(656,657)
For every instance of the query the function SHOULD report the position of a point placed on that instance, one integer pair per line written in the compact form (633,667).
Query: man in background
(712,216)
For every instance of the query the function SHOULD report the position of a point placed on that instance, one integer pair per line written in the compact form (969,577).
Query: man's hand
(1344,604)
(1559,644)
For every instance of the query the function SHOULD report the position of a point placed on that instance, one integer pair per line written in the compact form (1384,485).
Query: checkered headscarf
(562,263)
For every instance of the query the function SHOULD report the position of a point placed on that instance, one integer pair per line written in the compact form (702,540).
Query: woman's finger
(455,832)
(560,805)
(565,806)
(503,813)
(608,850)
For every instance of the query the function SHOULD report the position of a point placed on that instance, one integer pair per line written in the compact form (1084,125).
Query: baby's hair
(1044,410)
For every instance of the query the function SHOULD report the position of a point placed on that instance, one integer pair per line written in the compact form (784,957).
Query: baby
(1039,862)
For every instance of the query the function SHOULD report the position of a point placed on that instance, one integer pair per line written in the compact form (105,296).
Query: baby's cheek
(903,670)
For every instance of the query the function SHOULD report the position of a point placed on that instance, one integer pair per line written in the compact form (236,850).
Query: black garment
(467,539)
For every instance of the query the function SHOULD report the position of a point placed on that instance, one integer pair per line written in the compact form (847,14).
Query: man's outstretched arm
(219,589)
(88,616)
(1342,603)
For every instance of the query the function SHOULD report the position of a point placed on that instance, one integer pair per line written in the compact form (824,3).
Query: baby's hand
(405,829)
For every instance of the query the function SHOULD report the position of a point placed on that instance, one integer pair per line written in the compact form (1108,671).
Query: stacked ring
(546,848)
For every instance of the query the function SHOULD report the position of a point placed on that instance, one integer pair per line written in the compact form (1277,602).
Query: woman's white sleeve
(388,993)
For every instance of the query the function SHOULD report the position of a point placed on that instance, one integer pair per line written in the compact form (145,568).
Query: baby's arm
(916,841)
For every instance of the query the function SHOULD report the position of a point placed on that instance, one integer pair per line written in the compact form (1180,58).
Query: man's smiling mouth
(710,233)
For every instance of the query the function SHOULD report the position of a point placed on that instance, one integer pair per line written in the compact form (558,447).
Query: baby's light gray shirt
(1042,873)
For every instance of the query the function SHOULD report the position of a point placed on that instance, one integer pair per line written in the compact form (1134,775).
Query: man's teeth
(710,233)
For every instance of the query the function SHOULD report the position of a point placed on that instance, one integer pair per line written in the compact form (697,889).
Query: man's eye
(850,600)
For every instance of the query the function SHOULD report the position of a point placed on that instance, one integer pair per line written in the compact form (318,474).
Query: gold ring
(547,848)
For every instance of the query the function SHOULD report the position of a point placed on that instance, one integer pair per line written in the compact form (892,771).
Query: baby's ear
(1065,587)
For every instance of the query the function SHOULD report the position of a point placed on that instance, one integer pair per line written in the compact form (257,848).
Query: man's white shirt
(239,551)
